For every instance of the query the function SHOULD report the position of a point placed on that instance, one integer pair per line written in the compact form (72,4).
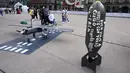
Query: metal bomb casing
(95,28)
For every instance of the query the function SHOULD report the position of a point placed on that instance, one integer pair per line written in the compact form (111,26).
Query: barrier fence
(125,15)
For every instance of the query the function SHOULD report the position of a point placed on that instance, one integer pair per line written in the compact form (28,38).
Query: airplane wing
(57,30)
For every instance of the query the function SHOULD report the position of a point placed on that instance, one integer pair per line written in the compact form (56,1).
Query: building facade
(38,3)
(4,3)
(11,3)
(111,5)
(55,4)
(52,4)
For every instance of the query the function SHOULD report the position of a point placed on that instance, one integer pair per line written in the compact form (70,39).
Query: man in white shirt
(51,19)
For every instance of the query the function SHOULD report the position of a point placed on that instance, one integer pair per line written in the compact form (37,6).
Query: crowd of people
(10,11)
(43,14)
(46,16)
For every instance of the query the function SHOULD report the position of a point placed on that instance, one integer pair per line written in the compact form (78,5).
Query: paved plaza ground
(63,54)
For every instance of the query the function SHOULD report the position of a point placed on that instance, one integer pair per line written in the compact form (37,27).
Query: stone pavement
(63,54)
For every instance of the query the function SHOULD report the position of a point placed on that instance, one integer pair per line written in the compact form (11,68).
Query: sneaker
(68,21)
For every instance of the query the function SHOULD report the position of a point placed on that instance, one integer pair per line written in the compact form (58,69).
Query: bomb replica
(94,35)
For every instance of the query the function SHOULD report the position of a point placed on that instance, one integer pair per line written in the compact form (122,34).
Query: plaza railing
(122,15)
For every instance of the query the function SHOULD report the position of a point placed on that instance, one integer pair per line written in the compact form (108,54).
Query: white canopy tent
(18,4)
(25,8)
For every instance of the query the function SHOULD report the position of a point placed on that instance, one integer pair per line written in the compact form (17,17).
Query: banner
(69,3)
(78,3)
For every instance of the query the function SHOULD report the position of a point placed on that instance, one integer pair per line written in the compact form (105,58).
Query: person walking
(66,15)
(31,13)
(28,10)
(46,14)
(10,10)
(63,16)
(35,13)
(41,15)
(1,12)
(18,11)
(13,10)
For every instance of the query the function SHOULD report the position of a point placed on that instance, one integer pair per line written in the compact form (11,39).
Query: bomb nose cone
(98,6)
(97,2)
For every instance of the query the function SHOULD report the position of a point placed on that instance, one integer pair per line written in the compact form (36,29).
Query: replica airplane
(44,29)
